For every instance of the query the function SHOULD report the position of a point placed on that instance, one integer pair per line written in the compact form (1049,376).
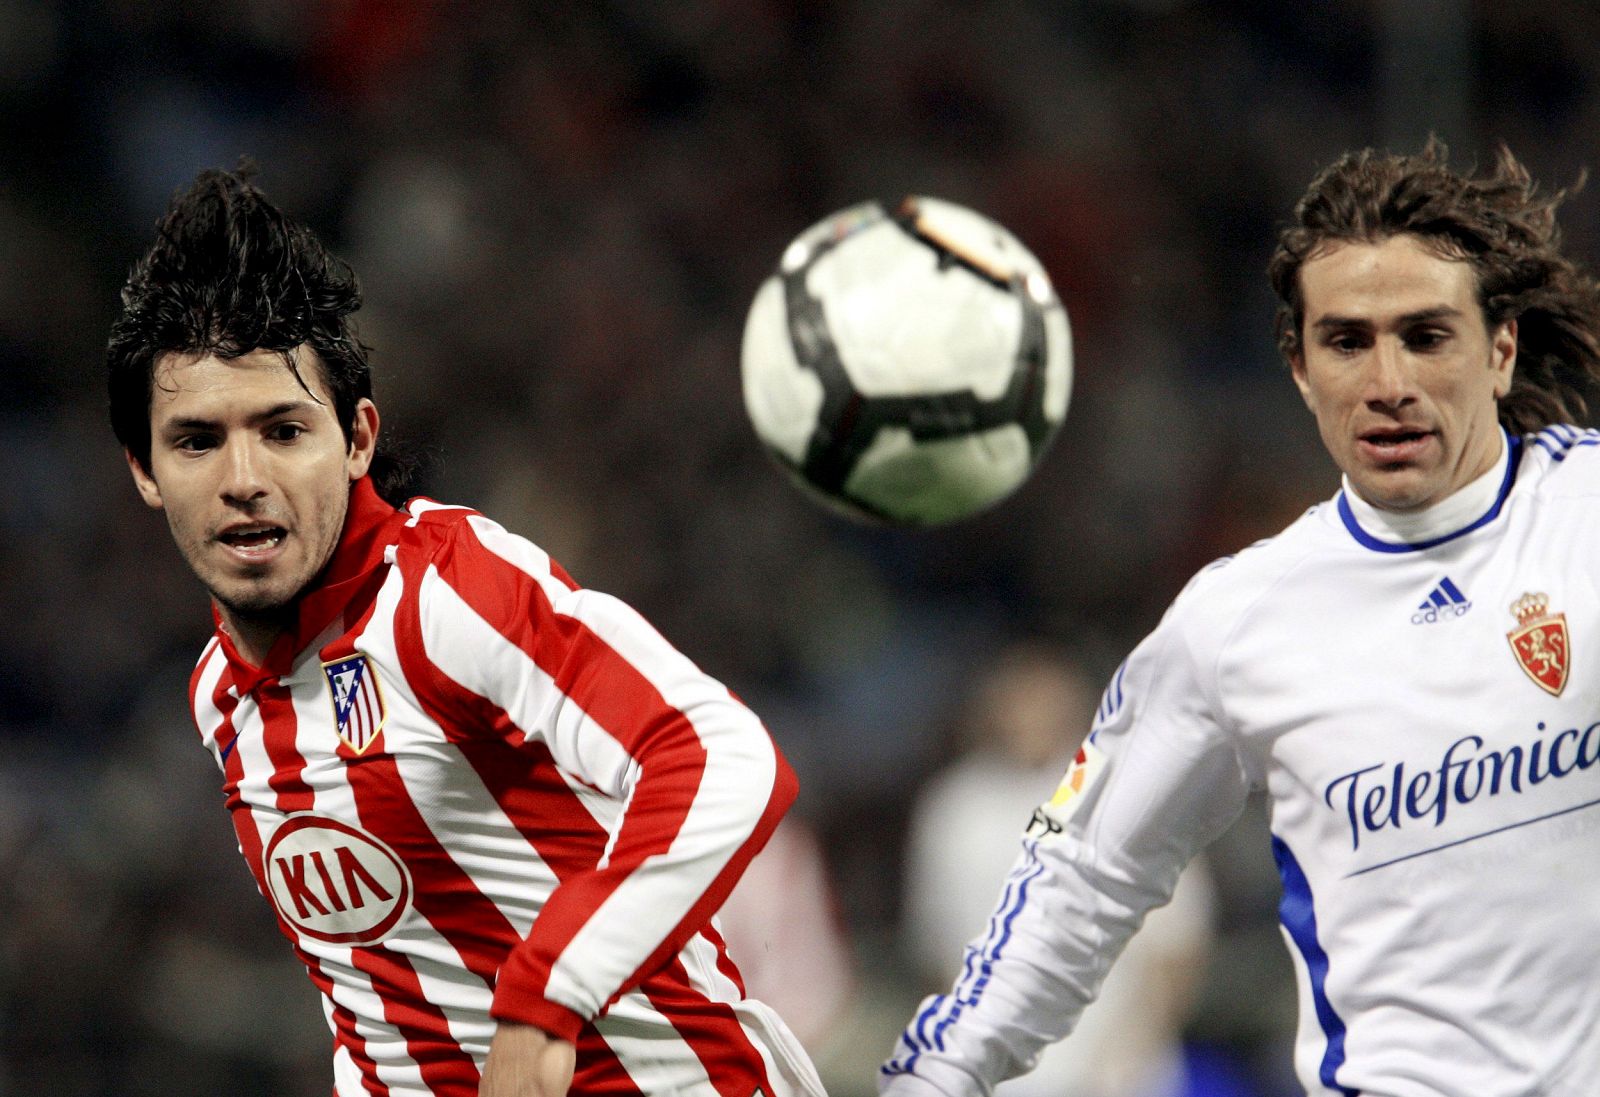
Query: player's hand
(525,1061)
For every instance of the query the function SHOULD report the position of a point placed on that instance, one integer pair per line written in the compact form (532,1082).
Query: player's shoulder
(434,527)
(433,520)
(1561,460)
(465,544)
(1218,594)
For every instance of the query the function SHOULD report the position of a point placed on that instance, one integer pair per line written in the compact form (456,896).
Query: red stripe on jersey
(344,1022)
(725,964)
(785,787)
(447,1070)
(599,1071)
(279,724)
(628,706)
(712,1029)
(518,773)
(226,736)
(454,708)
(443,893)
(561,574)
(198,673)
(344,1031)
(529,788)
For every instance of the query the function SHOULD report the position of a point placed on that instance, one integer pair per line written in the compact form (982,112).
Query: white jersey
(1407,695)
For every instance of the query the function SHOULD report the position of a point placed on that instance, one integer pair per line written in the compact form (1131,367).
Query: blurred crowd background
(560,212)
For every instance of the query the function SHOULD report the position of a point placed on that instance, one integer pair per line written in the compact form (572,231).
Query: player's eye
(1426,338)
(1345,342)
(195,443)
(285,432)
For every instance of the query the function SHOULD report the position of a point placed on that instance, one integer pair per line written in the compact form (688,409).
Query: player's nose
(1388,380)
(243,474)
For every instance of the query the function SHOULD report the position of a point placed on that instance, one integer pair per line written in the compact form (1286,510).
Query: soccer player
(494,812)
(1397,670)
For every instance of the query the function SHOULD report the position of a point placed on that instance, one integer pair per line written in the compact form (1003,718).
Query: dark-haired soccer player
(1405,671)
(494,811)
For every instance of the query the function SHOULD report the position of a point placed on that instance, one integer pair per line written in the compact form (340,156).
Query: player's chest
(345,721)
(1428,700)
(1484,636)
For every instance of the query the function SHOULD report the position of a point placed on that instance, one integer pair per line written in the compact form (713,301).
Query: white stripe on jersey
(633,915)
(632,1030)
(440,973)
(213,664)
(779,1049)
(472,653)
(346,1075)
(461,814)
(420,506)
(521,554)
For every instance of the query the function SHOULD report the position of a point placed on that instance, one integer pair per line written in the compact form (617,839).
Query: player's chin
(265,596)
(1399,488)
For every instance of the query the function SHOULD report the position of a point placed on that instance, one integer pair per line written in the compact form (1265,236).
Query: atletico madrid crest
(1541,643)
(358,711)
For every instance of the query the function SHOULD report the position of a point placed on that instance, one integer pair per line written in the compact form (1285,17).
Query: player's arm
(704,788)
(631,718)
(1156,781)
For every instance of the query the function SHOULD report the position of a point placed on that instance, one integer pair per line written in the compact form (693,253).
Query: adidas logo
(1444,602)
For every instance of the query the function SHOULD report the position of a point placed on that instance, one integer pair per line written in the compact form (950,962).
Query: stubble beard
(262,608)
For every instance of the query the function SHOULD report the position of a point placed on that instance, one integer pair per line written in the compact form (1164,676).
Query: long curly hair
(1501,224)
(229,273)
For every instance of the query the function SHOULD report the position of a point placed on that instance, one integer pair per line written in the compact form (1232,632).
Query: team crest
(358,711)
(1541,643)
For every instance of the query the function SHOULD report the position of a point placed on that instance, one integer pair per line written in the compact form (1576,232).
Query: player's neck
(253,634)
(1456,511)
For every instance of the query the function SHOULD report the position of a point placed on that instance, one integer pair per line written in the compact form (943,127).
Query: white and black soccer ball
(907,364)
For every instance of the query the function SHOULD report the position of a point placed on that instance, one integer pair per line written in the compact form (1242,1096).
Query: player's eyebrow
(276,411)
(1421,316)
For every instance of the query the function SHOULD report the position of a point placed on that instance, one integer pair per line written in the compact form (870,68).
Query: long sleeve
(1157,778)
(681,779)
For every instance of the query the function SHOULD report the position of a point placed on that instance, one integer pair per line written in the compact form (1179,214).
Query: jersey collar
(370,526)
(1474,505)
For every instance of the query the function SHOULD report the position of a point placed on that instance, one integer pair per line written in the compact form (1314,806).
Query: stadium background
(560,213)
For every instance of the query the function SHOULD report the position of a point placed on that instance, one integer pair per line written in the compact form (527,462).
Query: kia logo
(335,882)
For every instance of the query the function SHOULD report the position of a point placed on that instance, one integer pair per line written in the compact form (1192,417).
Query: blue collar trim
(1366,540)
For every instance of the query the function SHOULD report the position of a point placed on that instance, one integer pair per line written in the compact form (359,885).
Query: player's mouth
(1394,445)
(253,543)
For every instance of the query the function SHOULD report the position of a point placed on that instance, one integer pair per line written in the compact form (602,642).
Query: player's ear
(1503,356)
(149,490)
(363,439)
(1297,370)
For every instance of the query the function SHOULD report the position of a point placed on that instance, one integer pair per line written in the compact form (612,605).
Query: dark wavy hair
(229,273)
(1498,222)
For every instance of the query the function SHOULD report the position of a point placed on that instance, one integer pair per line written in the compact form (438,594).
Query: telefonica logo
(1387,795)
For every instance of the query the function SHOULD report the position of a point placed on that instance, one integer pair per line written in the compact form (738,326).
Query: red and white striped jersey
(475,791)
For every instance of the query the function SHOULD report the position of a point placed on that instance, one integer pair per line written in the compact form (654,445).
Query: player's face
(1400,369)
(253,472)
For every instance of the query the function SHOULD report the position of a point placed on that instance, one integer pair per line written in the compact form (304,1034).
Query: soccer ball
(909,365)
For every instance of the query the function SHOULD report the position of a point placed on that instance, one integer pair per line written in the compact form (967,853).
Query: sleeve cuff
(530,1009)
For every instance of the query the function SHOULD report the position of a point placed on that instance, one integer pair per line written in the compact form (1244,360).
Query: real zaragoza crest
(1541,643)
(358,711)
